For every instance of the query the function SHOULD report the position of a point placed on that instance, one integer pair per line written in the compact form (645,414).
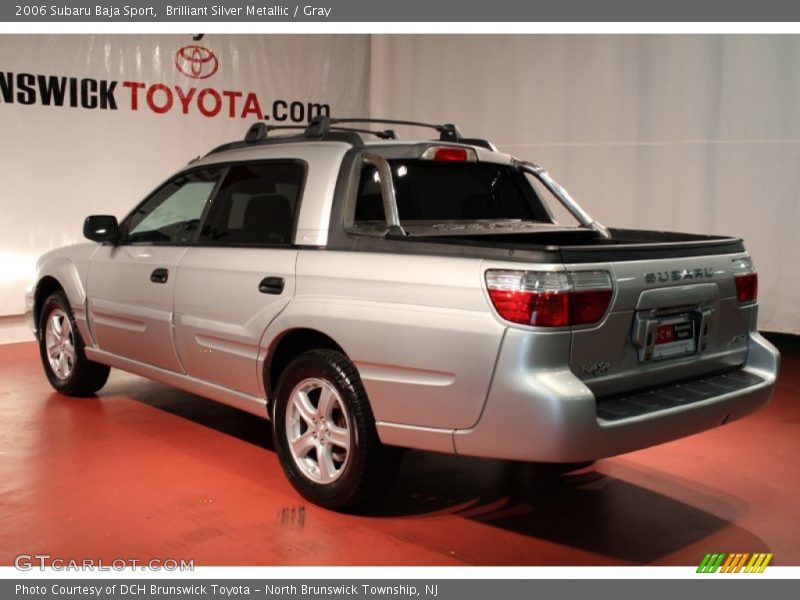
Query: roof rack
(448,132)
(261,131)
(321,125)
(326,128)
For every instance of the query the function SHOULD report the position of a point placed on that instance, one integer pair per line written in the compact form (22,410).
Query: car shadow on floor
(587,510)
(202,411)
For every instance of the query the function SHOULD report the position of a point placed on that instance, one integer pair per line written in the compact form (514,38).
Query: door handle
(271,285)
(159,276)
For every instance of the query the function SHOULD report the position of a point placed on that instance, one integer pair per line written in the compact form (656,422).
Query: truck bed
(557,244)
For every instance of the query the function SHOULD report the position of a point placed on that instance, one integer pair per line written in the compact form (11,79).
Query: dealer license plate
(674,337)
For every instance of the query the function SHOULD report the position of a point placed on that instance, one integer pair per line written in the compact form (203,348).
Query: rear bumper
(536,413)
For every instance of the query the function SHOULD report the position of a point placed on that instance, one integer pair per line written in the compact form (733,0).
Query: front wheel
(325,433)
(61,348)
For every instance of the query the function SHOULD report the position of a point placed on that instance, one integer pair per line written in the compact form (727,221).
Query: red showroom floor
(144,471)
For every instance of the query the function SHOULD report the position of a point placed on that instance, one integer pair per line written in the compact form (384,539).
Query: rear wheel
(325,433)
(61,349)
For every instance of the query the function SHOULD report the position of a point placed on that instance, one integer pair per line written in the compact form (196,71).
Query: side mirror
(101,228)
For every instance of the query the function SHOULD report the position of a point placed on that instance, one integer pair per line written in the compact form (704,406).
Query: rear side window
(255,205)
(445,191)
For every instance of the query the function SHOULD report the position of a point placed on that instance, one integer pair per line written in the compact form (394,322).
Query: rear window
(447,191)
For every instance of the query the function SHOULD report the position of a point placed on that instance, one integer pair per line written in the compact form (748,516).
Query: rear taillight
(550,298)
(746,278)
(590,297)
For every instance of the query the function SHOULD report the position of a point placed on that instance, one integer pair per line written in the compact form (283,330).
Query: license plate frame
(674,336)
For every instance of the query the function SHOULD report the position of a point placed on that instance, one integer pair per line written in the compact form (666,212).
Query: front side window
(255,205)
(172,214)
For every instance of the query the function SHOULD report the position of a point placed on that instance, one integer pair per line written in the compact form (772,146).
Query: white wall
(695,133)
(61,164)
(686,133)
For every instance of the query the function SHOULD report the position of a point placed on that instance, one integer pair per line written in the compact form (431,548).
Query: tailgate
(670,319)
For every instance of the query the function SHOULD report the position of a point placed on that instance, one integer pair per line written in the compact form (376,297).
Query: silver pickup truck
(368,294)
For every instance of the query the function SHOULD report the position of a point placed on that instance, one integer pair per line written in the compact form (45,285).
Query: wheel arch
(65,269)
(288,345)
(46,286)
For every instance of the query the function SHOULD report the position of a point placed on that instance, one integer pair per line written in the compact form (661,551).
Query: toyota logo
(196,62)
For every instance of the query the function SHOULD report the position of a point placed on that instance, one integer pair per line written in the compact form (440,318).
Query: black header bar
(443,11)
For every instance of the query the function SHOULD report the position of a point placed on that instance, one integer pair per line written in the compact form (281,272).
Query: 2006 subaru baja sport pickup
(368,296)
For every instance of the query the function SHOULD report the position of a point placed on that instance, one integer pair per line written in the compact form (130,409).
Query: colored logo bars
(734,563)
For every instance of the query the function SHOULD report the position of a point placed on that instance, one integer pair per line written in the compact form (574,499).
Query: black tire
(368,468)
(83,377)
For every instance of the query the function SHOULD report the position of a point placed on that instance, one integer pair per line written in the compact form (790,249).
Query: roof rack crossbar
(386,121)
(322,124)
(448,132)
(386,134)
